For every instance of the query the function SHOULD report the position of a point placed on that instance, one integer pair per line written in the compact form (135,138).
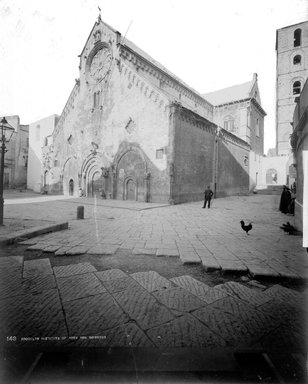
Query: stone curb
(35,231)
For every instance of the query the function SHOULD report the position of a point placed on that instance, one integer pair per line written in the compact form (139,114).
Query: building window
(96,99)
(297,37)
(296,88)
(297,59)
(229,124)
(246,161)
(257,127)
(159,153)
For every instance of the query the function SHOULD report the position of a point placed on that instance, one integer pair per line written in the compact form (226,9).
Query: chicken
(246,228)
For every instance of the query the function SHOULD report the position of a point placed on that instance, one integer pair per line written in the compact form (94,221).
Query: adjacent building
(16,157)
(238,110)
(40,136)
(291,74)
(299,143)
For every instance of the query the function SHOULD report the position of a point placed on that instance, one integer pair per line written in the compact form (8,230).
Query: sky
(209,44)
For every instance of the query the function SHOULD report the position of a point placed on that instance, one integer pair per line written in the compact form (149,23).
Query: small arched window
(296,88)
(297,59)
(297,37)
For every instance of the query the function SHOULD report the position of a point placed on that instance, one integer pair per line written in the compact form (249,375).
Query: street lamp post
(6,132)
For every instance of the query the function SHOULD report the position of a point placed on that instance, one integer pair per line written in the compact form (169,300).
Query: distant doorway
(71,187)
(98,184)
(130,190)
(271,176)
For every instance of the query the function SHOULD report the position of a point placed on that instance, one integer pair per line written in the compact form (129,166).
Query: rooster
(246,228)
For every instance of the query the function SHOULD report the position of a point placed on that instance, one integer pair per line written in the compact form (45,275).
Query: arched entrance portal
(71,187)
(95,176)
(130,190)
(131,182)
(97,185)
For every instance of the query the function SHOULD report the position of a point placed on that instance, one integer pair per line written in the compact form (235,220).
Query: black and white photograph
(153,191)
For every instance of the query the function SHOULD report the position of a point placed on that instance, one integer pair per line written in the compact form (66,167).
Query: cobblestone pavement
(76,305)
(212,237)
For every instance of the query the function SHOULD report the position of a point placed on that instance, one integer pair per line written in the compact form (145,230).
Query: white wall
(38,131)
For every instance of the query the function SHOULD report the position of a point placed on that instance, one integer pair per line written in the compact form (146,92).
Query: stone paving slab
(213,295)
(33,315)
(151,280)
(125,335)
(261,270)
(51,248)
(110,274)
(189,256)
(62,250)
(93,315)
(285,339)
(11,262)
(208,261)
(167,252)
(185,331)
(73,269)
(143,308)
(38,246)
(229,326)
(277,292)
(38,284)
(108,249)
(79,286)
(246,294)
(191,285)
(37,267)
(229,266)
(118,285)
(144,251)
(11,286)
(179,299)
(77,250)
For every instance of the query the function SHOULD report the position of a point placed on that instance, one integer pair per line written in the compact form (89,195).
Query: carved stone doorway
(98,184)
(130,190)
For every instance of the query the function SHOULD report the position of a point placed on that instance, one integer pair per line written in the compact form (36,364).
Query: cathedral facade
(132,130)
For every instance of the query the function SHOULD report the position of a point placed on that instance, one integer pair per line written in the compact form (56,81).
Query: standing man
(207,197)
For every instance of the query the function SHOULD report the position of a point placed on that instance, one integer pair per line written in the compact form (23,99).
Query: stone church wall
(193,156)
(96,143)
(233,167)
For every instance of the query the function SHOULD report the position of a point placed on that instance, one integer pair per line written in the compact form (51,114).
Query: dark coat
(285,201)
(208,194)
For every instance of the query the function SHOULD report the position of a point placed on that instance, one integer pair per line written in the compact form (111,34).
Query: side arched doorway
(46,179)
(130,179)
(130,191)
(97,185)
(95,175)
(71,187)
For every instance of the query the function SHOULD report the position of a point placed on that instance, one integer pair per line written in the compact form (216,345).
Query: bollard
(80,212)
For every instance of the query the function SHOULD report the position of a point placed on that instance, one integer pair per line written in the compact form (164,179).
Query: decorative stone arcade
(94,177)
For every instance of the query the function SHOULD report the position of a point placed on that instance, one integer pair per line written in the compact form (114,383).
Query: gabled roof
(133,47)
(129,44)
(230,94)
